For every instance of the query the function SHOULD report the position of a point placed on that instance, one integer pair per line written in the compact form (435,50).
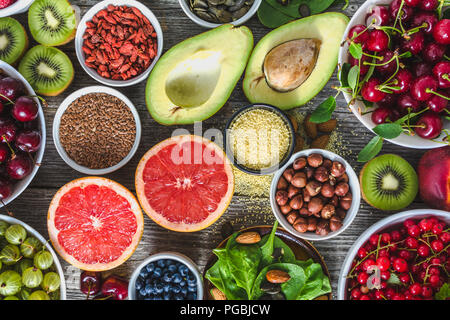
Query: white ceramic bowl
(82,28)
(57,120)
(250,13)
(167,255)
(17,7)
(21,185)
(404,139)
(37,235)
(377,227)
(354,188)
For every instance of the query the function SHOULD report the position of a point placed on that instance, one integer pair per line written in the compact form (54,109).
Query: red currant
(415,289)
(400,265)
(414,231)
(411,243)
(437,245)
(362,278)
(425,225)
(383,263)
(423,250)
(356,294)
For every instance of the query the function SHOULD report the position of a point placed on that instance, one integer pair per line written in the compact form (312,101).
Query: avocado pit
(288,65)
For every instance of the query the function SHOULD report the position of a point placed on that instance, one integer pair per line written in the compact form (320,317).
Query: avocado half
(302,56)
(195,78)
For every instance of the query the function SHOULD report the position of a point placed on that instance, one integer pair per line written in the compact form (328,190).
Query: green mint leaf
(343,74)
(353,76)
(443,293)
(388,130)
(371,149)
(324,111)
(355,50)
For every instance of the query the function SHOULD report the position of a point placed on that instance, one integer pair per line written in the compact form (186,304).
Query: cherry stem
(6,208)
(6,98)
(372,56)
(5,139)
(399,14)
(428,90)
(388,28)
(414,30)
(445,76)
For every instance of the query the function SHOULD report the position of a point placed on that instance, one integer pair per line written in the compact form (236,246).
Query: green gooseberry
(43,260)
(30,246)
(15,234)
(39,295)
(10,283)
(10,254)
(51,282)
(22,265)
(32,277)
(3,226)
(55,295)
(24,293)
(11,298)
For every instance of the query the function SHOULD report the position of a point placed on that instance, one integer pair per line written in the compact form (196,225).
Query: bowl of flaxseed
(96,130)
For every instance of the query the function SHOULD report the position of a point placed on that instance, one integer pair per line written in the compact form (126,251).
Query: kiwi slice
(13,40)
(48,70)
(52,23)
(389,182)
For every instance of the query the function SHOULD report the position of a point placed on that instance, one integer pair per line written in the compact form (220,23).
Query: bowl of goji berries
(118,42)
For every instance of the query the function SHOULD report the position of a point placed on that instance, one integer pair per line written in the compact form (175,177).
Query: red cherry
(412,3)
(4,152)
(389,101)
(28,140)
(405,102)
(403,80)
(433,52)
(116,287)
(388,68)
(380,115)
(429,125)
(425,17)
(420,88)
(10,89)
(441,32)
(5,188)
(25,109)
(364,68)
(400,265)
(362,31)
(370,92)
(90,282)
(378,16)
(414,44)
(19,166)
(378,41)
(437,103)
(422,69)
(442,72)
(428,5)
(8,130)
(394,7)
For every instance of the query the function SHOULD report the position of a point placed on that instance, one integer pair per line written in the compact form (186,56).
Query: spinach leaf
(270,17)
(267,246)
(288,256)
(316,283)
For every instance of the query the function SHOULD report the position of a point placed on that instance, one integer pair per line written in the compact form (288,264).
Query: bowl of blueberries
(166,276)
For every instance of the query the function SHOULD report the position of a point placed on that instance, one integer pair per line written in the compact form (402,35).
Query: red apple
(434,178)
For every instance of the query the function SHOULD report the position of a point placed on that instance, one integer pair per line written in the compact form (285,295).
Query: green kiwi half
(52,23)
(48,70)
(13,40)
(389,182)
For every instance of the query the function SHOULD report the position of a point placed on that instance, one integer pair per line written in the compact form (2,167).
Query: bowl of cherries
(405,256)
(22,133)
(395,69)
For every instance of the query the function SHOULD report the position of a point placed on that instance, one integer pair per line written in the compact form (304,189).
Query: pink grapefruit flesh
(185,183)
(94,223)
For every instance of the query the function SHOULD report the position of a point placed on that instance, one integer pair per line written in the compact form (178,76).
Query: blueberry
(177,278)
(182,283)
(150,267)
(161,263)
(167,277)
(148,281)
(183,291)
(191,296)
(139,283)
(157,297)
(167,296)
(176,289)
(178,297)
(192,283)
(159,288)
(148,289)
(167,287)
(143,273)
(183,270)
(157,272)
(172,268)
(169,262)
(192,289)
(143,291)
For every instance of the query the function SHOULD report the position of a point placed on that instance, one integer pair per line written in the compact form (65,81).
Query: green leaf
(270,17)
(394,279)
(267,247)
(443,293)
(388,130)
(353,76)
(371,149)
(343,74)
(356,50)
(316,283)
(324,111)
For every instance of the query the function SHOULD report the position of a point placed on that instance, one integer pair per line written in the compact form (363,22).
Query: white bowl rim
(250,13)
(82,27)
(403,140)
(376,227)
(24,183)
(171,255)
(63,107)
(47,244)
(354,187)
(16,8)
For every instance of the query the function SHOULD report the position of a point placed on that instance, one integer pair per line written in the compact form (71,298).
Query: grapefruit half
(185,183)
(95,223)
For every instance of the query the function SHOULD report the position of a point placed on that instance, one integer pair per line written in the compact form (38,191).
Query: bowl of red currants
(395,71)
(22,133)
(405,256)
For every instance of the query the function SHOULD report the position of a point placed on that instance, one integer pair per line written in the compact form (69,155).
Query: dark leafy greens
(241,269)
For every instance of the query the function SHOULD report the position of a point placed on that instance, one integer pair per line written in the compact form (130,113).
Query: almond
(294,122)
(248,238)
(310,128)
(328,126)
(321,142)
(299,143)
(217,294)
(277,276)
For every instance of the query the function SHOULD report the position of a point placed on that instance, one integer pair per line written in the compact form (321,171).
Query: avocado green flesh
(195,78)
(328,28)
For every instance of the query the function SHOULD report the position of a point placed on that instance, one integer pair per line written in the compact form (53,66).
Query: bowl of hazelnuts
(315,195)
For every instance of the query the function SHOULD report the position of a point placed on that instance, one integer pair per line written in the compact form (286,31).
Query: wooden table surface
(31,206)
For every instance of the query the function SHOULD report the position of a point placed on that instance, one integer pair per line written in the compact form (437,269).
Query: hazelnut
(345,204)
(315,205)
(348,196)
(296,202)
(313,188)
(312,224)
(343,178)
(327,163)
(304,212)
(334,201)
(299,180)
(321,174)
(322,228)
(341,189)
(300,225)
(285,209)
(327,211)
(327,190)
(341,213)
(306,195)
(299,163)
(282,184)
(332,180)
(281,197)
(335,223)
(315,160)
(337,169)
(309,172)
(288,174)
(291,217)
(292,191)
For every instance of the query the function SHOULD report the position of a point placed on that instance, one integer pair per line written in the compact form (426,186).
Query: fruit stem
(6,208)
(5,97)
(388,28)
(433,256)
(414,30)
(445,76)
(399,14)
(428,90)
(5,139)
(371,56)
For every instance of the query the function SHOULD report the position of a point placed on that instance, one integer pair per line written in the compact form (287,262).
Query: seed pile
(119,43)
(97,130)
